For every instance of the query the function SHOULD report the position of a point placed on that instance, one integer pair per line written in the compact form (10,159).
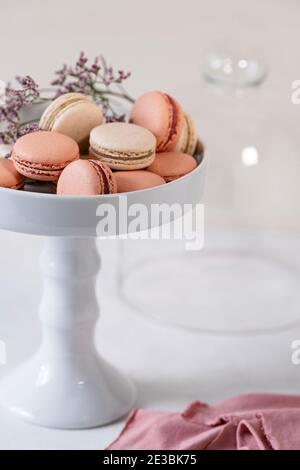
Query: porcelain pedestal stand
(66,384)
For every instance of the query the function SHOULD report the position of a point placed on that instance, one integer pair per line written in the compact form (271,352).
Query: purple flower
(14,101)
(96,79)
(28,128)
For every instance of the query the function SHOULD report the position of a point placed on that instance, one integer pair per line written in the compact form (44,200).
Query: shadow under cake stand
(66,384)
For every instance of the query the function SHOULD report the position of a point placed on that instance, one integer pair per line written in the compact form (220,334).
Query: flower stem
(25,123)
(116,94)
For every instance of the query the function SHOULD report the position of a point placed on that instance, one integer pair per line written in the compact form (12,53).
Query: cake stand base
(66,384)
(91,393)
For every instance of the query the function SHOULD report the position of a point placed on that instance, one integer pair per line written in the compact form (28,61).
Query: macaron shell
(123,146)
(77,121)
(160,114)
(55,105)
(128,181)
(107,176)
(46,148)
(29,171)
(79,179)
(74,115)
(172,165)
(122,162)
(183,138)
(192,138)
(9,176)
(42,155)
(86,178)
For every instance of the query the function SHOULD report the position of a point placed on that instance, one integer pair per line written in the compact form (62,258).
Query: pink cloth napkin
(246,422)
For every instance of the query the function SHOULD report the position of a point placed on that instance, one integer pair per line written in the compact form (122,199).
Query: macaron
(128,181)
(72,114)
(188,139)
(43,155)
(9,176)
(162,115)
(86,178)
(172,165)
(123,146)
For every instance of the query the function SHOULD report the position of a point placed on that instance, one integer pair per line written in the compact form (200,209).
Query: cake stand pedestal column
(66,384)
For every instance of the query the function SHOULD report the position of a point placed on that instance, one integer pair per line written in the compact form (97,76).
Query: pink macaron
(162,115)
(172,165)
(43,155)
(136,180)
(9,176)
(86,178)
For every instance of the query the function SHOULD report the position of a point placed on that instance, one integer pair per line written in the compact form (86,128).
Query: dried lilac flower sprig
(95,79)
(13,101)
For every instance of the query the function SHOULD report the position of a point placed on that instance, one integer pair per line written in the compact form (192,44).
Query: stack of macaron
(76,153)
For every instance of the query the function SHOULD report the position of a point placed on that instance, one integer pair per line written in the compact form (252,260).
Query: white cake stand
(66,384)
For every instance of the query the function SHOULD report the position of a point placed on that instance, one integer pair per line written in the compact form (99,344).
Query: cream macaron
(72,114)
(123,146)
(188,138)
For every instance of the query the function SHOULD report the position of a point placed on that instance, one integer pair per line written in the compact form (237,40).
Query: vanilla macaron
(123,146)
(188,138)
(172,165)
(72,114)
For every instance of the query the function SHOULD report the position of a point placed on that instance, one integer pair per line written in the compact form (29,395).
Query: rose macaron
(9,176)
(160,114)
(172,165)
(86,177)
(43,155)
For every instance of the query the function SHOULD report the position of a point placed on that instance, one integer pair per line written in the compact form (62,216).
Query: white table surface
(170,368)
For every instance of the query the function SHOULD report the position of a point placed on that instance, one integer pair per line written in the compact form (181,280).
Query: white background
(163,43)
